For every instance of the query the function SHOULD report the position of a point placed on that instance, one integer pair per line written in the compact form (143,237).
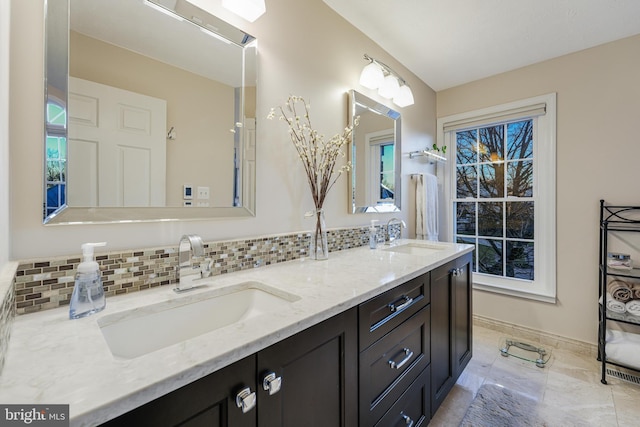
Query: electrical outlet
(203,193)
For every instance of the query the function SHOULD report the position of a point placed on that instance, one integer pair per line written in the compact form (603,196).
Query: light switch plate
(203,193)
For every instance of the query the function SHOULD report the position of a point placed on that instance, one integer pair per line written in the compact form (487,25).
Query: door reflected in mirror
(375,156)
(160,96)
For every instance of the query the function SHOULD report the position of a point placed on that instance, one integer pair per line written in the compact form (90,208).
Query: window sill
(531,295)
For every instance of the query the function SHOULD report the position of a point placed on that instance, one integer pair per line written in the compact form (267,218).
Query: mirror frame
(56,73)
(357,99)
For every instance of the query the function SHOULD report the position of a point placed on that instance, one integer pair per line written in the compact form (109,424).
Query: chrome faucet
(186,272)
(391,237)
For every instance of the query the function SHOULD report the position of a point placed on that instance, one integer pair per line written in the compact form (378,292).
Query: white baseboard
(536,336)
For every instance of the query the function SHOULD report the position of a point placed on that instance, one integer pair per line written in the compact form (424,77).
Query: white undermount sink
(415,248)
(136,332)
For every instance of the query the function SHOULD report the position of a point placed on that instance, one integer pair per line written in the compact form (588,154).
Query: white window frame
(373,141)
(543,287)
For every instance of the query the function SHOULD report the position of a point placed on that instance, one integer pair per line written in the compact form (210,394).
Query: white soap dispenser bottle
(88,293)
(373,234)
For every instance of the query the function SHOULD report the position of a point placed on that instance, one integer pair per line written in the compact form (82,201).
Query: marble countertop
(54,360)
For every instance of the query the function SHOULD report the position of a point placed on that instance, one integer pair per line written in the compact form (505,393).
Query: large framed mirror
(150,113)
(375,154)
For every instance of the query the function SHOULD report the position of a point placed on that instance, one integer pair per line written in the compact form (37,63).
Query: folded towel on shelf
(427,207)
(620,290)
(614,305)
(622,347)
(635,287)
(633,307)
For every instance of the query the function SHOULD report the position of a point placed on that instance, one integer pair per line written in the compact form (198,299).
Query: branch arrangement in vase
(319,156)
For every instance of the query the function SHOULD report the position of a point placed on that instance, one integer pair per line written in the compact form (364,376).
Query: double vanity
(368,337)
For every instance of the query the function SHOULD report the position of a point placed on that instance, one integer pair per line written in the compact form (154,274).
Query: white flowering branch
(318,156)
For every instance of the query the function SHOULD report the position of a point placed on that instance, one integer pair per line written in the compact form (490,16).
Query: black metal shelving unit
(614,219)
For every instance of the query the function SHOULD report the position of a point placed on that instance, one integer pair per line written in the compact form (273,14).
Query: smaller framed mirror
(374,184)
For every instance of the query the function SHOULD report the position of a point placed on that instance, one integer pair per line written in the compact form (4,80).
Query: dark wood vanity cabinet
(319,372)
(451,326)
(209,401)
(395,354)
(309,379)
(390,361)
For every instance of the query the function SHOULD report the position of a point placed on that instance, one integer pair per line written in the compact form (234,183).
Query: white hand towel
(614,305)
(427,207)
(622,347)
(633,307)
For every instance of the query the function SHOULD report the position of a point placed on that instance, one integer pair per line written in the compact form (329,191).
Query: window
(502,194)
(381,152)
(55,158)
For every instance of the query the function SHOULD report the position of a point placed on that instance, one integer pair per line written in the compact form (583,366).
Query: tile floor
(568,387)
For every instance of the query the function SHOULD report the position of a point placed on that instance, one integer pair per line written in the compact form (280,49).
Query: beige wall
(199,109)
(304,49)
(598,102)
(4,132)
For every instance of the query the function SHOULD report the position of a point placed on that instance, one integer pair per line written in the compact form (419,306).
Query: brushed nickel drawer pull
(407,419)
(395,308)
(457,271)
(408,355)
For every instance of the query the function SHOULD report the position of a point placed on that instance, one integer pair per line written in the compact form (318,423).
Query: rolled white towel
(622,347)
(633,307)
(614,305)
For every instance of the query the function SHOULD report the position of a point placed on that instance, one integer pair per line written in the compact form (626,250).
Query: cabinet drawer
(391,364)
(413,405)
(381,314)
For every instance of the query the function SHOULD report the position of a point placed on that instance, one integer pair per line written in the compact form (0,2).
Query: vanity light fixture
(247,9)
(378,75)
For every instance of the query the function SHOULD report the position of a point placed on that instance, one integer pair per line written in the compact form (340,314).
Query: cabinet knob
(408,354)
(246,400)
(271,383)
(407,419)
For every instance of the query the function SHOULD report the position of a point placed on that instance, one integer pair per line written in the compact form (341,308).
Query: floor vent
(624,376)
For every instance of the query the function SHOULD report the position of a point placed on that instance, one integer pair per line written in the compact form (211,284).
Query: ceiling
(450,42)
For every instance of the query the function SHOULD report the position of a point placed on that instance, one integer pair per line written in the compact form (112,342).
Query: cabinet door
(462,314)
(210,401)
(442,369)
(318,372)
(451,325)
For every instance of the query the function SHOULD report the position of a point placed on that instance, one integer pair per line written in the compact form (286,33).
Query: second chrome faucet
(391,235)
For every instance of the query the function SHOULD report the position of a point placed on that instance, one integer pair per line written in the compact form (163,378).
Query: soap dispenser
(88,293)
(373,234)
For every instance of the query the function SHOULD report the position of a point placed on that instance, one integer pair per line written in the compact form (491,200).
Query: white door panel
(82,177)
(129,130)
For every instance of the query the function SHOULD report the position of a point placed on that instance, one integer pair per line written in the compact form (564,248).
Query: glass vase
(319,245)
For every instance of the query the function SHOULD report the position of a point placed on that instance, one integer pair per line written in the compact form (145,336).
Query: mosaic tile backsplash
(7,311)
(48,283)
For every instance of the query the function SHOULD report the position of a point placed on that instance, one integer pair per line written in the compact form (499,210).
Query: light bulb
(389,87)
(372,76)
(247,9)
(404,97)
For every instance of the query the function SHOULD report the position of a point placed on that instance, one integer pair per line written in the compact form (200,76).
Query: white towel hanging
(427,207)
